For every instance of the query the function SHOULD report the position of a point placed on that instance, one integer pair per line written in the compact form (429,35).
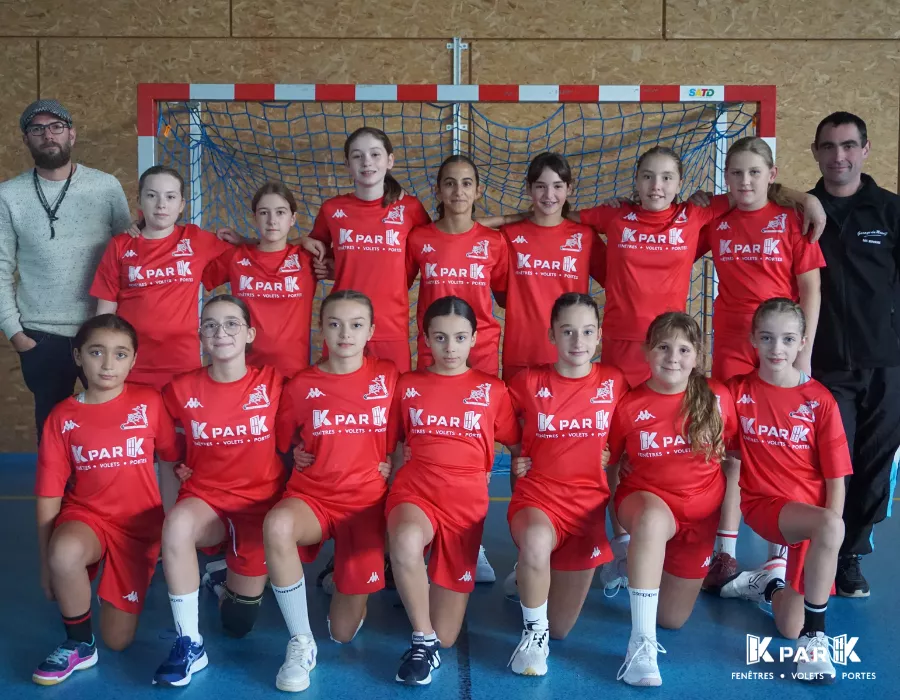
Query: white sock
(726,541)
(777,567)
(644,603)
(426,639)
(186,612)
(292,601)
(777,551)
(535,618)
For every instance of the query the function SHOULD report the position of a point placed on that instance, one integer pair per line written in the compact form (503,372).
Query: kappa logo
(543,393)
(745,399)
(259,398)
(411,393)
(244,262)
(291,263)
(675,237)
(628,234)
(595,553)
(466,577)
(193,403)
(682,217)
(183,249)
(479,251)
(315,393)
(69,425)
(131,597)
(573,245)
(137,418)
(339,214)
(805,412)
(776,225)
(374,578)
(377,389)
(427,248)
(129,254)
(520,239)
(480,396)
(724,226)
(605,392)
(644,415)
(631,216)
(395,215)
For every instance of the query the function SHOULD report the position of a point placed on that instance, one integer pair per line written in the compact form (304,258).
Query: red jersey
(545,263)
(791,439)
(647,426)
(156,284)
(105,453)
(467,265)
(758,256)
(278,288)
(451,423)
(566,424)
(343,421)
(229,429)
(649,256)
(369,245)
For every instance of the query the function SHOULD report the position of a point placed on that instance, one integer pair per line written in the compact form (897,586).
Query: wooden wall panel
(508,19)
(136,18)
(777,19)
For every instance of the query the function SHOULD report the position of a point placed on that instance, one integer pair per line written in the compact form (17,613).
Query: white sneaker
(484,572)
(613,575)
(530,657)
(749,585)
(640,667)
(300,659)
(816,667)
(511,586)
(214,578)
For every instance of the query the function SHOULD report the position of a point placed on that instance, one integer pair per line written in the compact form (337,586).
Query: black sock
(776,584)
(78,628)
(813,618)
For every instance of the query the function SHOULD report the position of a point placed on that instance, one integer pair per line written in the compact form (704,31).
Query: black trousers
(869,401)
(50,373)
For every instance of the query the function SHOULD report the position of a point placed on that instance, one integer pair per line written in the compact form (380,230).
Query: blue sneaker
(185,659)
(68,657)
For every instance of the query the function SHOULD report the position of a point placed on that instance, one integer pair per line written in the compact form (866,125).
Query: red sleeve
(170,401)
(831,442)
(320,230)
(617,434)
(807,256)
(703,246)
(598,261)
(53,466)
(213,245)
(729,416)
(598,218)
(168,443)
(412,265)
(518,391)
(506,426)
(395,419)
(718,207)
(285,419)
(393,433)
(216,272)
(500,273)
(106,281)
(418,214)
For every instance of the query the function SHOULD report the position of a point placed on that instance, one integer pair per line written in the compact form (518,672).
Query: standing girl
(276,281)
(760,252)
(341,406)
(794,458)
(673,428)
(232,478)
(451,415)
(557,515)
(366,232)
(458,256)
(97,498)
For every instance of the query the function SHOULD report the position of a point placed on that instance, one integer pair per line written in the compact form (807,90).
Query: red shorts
(128,562)
(358,544)
(581,543)
(732,356)
(628,356)
(484,357)
(761,515)
(689,552)
(457,533)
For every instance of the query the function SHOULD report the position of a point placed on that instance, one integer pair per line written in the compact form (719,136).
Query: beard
(51,159)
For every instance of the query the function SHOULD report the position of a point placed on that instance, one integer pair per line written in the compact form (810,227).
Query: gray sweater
(51,293)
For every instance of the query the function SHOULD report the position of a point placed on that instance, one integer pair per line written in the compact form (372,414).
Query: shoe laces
(620,583)
(851,566)
(180,650)
(641,653)
(60,655)
(820,642)
(298,651)
(530,638)
(420,652)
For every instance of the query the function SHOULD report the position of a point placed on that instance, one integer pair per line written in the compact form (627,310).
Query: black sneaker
(418,662)
(388,574)
(850,582)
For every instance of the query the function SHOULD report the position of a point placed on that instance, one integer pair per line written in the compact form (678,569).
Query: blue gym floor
(704,658)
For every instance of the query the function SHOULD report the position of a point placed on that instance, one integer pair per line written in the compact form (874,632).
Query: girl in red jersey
(341,406)
(760,252)
(794,458)
(549,256)
(275,279)
(232,478)
(451,415)
(673,428)
(557,515)
(97,498)
(366,233)
(459,256)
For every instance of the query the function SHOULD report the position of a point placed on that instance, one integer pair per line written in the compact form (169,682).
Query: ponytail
(702,418)
(392,190)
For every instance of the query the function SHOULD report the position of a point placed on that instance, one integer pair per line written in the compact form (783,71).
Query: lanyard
(51,210)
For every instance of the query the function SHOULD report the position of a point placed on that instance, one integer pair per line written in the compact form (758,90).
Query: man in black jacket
(857,349)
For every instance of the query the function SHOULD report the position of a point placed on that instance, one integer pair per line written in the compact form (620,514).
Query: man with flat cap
(55,222)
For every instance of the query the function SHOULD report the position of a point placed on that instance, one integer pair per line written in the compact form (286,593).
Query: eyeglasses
(39,129)
(210,329)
